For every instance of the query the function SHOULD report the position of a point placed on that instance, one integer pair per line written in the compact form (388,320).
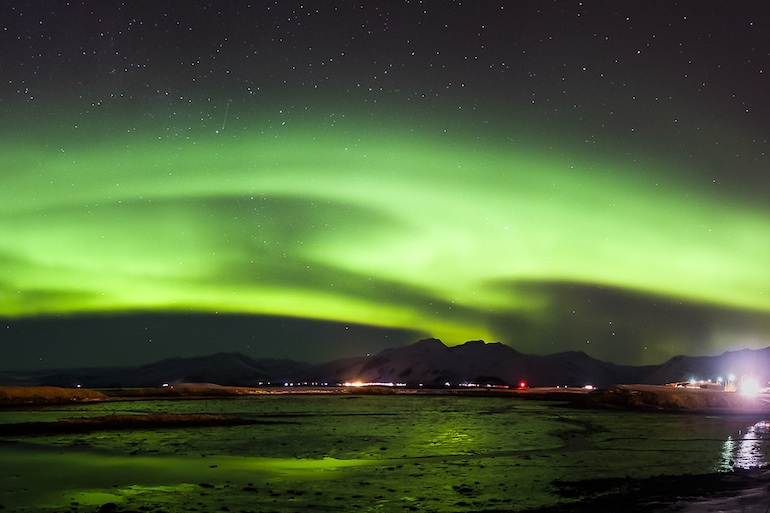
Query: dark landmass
(677,399)
(12,397)
(638,397)
(20,395)
(427,362)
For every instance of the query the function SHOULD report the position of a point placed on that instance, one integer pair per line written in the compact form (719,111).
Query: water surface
(364,453)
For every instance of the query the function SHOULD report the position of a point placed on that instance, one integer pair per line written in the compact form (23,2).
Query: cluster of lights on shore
(446,384)
(522,385)
(747,385)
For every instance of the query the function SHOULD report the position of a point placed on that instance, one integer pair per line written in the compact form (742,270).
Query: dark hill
(427,362)
(432,363)
(220,368)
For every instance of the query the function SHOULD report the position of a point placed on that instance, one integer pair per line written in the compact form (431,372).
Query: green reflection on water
(440,453)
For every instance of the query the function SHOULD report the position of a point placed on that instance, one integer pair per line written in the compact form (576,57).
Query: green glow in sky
(391,227)
(554,177)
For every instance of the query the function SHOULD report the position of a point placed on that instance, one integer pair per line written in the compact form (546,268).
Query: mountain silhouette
(427,362)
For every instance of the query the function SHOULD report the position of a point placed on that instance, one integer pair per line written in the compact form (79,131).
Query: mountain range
(427,362)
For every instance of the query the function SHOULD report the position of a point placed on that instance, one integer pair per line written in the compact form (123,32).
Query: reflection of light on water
(728,449)
(749,451)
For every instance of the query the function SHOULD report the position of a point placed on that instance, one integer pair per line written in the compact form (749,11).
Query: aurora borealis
(555,176)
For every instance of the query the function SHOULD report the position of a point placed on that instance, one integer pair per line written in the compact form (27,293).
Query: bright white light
(372,384)
(750,387)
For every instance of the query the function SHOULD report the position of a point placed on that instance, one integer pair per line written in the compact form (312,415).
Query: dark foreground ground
(743,490)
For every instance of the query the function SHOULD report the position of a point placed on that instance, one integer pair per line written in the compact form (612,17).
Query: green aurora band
(392,227)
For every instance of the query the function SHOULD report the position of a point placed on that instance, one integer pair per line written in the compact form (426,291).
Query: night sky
(319,179)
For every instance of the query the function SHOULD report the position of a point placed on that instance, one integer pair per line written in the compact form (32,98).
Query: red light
(523,384)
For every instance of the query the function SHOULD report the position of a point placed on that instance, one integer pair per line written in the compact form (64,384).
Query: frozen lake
(359,453)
